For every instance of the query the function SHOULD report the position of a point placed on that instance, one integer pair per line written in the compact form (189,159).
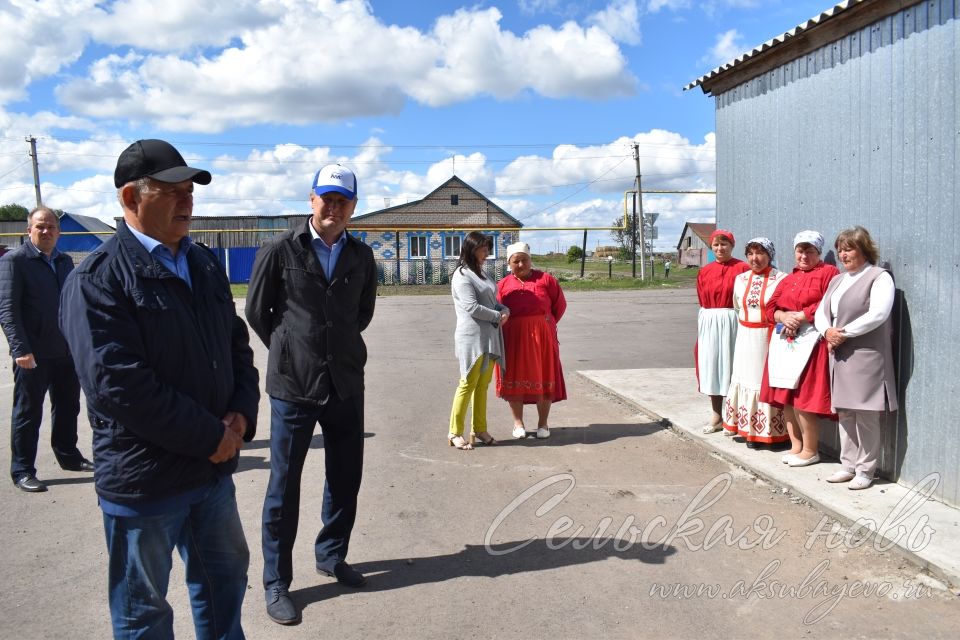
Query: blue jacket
(159,364)
(29,301)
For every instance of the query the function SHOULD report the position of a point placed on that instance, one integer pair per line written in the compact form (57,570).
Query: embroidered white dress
(743,413)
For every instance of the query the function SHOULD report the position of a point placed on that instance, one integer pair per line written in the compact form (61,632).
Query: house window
(493,245)
(451,246)
(418,247)
(455,199)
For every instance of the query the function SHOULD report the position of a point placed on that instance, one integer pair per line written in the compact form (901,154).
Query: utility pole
(36,170)
(639,223)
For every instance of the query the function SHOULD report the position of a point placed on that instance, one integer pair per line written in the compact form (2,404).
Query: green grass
(596,277)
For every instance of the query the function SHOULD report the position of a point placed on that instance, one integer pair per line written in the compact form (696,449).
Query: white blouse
(882,294)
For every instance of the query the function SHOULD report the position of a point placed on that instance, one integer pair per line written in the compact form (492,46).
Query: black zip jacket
(311,325)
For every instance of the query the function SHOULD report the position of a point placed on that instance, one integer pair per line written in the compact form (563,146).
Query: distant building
(419,242)
(693,249)
(81,234)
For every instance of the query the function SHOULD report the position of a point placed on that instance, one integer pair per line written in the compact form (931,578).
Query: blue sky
(533,102)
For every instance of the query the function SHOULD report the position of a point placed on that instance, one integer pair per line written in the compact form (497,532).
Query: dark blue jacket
(30,300)
(160,366)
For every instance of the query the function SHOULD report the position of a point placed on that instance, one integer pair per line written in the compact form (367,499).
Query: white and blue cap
(335,177)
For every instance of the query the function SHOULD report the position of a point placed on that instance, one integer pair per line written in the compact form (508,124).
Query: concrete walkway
(925,530)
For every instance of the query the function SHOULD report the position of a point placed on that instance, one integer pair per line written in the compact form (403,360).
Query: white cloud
(621,20)
(181,25)
(537,6)
(39,40)
(710,7)
(570,186)
(654,6)
(728,46)
(278,68)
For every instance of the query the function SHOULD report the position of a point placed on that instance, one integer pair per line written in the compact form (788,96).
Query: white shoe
(728,433)
(543,433)
(711,428)
(786,458)
(860,482)
(841,476)
(519,433)
(797,461)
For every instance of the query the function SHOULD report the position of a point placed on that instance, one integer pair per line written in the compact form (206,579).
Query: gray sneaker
(280,606)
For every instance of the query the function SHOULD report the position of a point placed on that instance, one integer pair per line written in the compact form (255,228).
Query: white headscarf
(809,237)
(517,247)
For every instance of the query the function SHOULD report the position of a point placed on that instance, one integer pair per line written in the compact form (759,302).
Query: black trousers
(291,431)
(57,376)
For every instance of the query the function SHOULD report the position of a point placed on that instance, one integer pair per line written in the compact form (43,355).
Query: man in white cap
(312,292)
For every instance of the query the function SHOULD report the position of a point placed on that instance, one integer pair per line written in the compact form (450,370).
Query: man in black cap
(31,277)
(172,394)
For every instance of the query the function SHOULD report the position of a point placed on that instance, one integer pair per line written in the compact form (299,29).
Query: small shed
(693,249)
(80,234)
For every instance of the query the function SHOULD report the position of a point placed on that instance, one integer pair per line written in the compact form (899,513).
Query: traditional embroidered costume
(743,412)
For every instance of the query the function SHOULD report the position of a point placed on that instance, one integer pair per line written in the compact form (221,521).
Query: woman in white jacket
(478,341)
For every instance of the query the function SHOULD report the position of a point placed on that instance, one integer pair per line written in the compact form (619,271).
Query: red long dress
(533,371)
(803,291)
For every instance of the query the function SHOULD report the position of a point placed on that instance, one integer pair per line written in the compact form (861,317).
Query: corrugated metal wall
(867,131)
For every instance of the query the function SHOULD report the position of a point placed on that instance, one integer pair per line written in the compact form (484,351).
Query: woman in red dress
(717,324)
(793,306)
(533,374)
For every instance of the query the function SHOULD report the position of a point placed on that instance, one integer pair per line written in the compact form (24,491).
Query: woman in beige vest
(854,318)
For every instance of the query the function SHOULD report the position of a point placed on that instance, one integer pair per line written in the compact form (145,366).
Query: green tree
(14,212)
(621,236)
(574,253)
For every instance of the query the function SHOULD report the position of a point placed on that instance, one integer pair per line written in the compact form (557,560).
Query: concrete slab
(904,518)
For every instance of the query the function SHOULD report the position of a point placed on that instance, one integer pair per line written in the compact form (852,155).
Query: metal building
(854,118)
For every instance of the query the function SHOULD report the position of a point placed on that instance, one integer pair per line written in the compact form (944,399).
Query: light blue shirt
(326,254)
(177,265)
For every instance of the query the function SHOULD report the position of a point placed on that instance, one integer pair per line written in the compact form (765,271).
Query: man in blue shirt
(167,369)
(312,291)
(30,281)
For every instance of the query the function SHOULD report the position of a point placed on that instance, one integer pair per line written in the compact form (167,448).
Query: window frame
(418,238)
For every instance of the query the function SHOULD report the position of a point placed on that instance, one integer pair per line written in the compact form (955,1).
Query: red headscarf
(724,234)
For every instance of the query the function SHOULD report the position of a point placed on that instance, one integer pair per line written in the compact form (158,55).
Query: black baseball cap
(155,159)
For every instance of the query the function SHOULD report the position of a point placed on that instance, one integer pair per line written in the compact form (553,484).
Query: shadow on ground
(508,558)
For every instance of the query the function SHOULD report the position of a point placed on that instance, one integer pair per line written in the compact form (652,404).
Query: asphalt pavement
(621,525)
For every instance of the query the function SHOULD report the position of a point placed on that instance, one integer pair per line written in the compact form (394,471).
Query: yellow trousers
(472,390)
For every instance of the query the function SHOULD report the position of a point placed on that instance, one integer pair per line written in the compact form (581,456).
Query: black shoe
(30,484)
(280,606)
(345,575)
(82,465)
(752,445)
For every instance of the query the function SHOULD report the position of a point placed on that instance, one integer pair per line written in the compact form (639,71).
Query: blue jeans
(210,540)
(291,431)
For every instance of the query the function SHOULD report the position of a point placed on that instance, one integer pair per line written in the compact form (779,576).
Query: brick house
(419,242)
